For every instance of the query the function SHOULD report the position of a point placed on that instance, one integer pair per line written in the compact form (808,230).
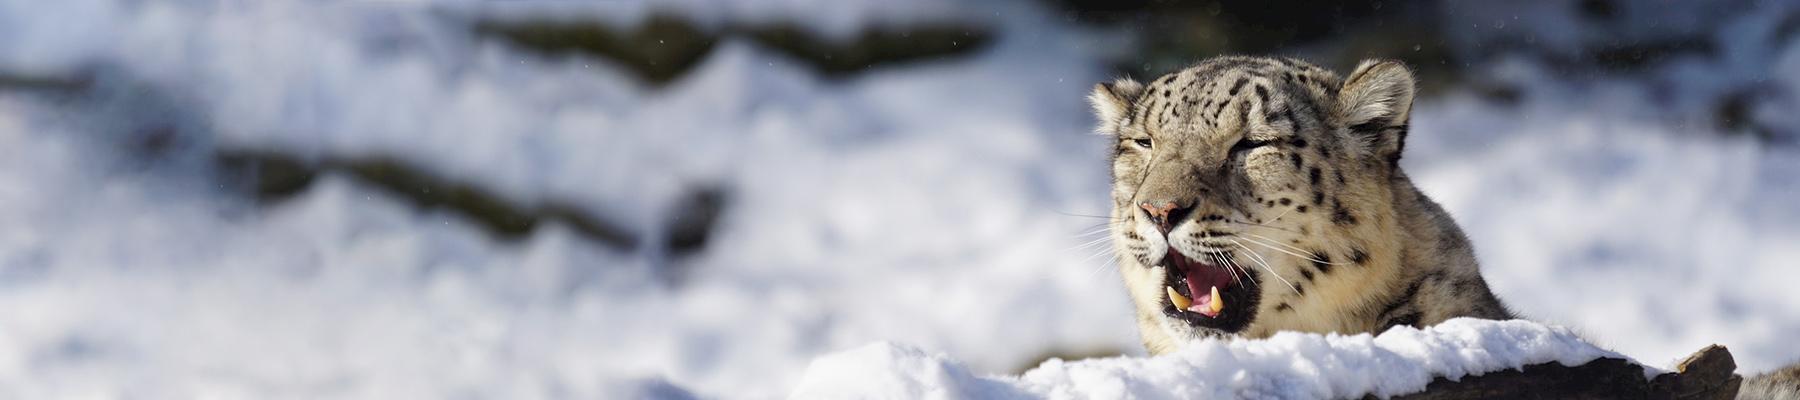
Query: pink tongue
(1203,304)
(1201,278)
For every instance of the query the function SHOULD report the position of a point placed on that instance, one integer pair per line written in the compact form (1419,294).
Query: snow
(941,205)
(1289,365)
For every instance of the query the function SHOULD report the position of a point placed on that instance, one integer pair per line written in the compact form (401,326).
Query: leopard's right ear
(1111,102)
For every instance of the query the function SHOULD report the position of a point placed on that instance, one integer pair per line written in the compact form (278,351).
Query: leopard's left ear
(1375,103)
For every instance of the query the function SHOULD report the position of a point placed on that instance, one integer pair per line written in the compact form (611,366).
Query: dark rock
(1708,374)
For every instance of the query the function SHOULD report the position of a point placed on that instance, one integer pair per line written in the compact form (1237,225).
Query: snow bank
(150,282)
(1287,366)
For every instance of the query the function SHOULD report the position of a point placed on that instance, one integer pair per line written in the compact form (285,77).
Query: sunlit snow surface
(1290,365)
(933,205)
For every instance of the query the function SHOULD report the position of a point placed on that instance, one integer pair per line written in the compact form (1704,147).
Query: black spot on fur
(1301,209)
(1165,93)
(1299,143)
(1313,176)
(1239,85)
(1262,93)
(1306,274)
(1340,176)
(1321,262)
(1395,305)
(1358,256)
(1286,201)
(1295,157)
(1318,197)
(1369,128)
(1342,216)
(1391,312)
(1283,307)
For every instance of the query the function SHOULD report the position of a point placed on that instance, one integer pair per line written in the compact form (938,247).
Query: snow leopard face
(1252,195)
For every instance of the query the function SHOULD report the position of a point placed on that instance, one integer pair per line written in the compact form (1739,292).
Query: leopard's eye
(1244,145)
(1144,143)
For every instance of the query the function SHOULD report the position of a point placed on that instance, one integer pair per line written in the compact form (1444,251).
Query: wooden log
(1706,375)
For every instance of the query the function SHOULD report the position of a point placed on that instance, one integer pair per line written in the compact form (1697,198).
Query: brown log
(1707,374)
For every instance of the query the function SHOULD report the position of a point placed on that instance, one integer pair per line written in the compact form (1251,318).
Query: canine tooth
(1181,302)
(1217,303)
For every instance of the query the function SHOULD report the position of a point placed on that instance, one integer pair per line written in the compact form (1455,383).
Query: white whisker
(1277,242)
(1265,265)
(1207,236)
(1096,270)
(1107,250)
(1223,263)
(1283,214)
(1307,257)
(1091,243)
(1096,231)
(1240,267)
(1264,226)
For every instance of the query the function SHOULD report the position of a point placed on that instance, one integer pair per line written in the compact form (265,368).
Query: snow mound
(1289,365)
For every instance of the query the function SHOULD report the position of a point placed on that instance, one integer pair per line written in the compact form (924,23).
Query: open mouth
(1207,294)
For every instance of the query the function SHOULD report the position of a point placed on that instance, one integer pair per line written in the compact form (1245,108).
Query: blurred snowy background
(692,198)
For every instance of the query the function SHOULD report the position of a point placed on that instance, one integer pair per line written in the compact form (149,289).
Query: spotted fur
(1292,173)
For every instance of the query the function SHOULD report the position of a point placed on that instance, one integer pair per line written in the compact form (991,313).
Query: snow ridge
(1290,365)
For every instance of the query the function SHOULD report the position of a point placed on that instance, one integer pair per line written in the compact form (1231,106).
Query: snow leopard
(1253,195)
(1783,383)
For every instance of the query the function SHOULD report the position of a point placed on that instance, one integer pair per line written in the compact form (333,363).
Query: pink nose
(1161,213)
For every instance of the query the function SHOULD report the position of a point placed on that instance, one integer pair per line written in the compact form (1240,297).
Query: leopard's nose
(1164,213)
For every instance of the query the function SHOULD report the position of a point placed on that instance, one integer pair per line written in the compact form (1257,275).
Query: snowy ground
(933,205)
(1289,365)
